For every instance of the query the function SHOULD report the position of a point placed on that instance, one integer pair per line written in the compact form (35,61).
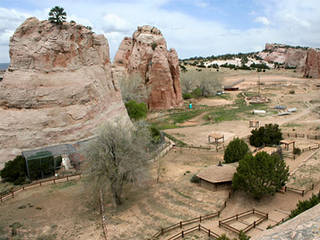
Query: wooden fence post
(180,224)
(236,216)
(162,231)
(302,193)
(199,227)
(40,183)
(267,215)
(285,188)
(182,234)
(54,181)
(253,211)
(209,233)
(200,218)
(219,223)
(12,193)
(254,224)
(312,187)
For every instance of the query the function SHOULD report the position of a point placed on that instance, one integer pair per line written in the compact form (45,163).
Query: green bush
(155,135)
(305,205)
(197,93)
(195,179)
(136,110)
(14,171)
(154,45)
(292,92)
(186,96)
(260,175)
(235,151)
(297,151)
(268,135)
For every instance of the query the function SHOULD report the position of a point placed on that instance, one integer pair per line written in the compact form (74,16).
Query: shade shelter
(217,177)
(287,143)
(254,123)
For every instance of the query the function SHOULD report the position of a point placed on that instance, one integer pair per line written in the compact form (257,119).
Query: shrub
(195,179)
(305,205)
(186,96)
(297,151)
(268,135)
(197,93)
(136,110)
(235,151)
(260,175)
(155,135)
(14,171)
(292,92)
(154,45)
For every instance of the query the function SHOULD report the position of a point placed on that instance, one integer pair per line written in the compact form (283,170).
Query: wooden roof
(215,135)
(218,174)
(268,150)
(287,142)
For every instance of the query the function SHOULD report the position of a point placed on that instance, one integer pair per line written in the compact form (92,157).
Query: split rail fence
(184,223)
(193,229)
(301,135)
(225,222)
(12,193)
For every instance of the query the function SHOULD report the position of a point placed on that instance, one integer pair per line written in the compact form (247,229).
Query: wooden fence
(299,191)
(225,222)
(12,193)
(184,223)
(199,228)
(301,135)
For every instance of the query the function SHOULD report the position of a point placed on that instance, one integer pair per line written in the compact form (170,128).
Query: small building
(217,177)
(269,150)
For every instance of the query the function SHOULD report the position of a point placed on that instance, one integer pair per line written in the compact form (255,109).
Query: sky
(192,27)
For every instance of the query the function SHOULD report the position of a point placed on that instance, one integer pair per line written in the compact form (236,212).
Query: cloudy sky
(192,27)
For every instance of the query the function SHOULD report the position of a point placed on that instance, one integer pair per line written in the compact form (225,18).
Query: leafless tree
(117,156)
(133,88)
(208,82)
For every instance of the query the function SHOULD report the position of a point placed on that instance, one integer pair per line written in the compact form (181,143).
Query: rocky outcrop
(284,54)
(312,65)
(58,88)
(146,54)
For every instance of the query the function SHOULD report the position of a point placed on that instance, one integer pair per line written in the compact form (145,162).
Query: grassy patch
(233,112)
(178,142)
(64,185)
(291,125)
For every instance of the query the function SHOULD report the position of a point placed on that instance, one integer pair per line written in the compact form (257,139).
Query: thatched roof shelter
(218,174)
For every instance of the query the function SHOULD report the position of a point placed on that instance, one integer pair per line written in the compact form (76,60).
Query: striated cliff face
(146,53)
(58,88)
(289,56)
(312,66)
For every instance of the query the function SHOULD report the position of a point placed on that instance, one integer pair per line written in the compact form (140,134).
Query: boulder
(146,54)
(57,89)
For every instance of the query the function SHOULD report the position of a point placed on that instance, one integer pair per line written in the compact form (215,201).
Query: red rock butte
(146,54)
(58,87)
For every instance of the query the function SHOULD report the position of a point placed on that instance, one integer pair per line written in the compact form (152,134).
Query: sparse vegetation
(260,175)
(305,205)
(195,179)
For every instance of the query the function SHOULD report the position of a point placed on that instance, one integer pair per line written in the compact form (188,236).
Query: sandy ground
(51,212)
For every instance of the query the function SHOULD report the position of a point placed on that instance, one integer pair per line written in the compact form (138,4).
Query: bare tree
(117,156)
(208,82)
(133,88)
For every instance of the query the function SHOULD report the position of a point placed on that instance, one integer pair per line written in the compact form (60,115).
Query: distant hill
(4,66)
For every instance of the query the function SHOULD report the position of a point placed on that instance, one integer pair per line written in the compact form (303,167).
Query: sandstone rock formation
(57,89)
(146,53)
(312,65)
(283,54)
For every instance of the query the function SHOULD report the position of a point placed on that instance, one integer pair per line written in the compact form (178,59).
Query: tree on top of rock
(57,15)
